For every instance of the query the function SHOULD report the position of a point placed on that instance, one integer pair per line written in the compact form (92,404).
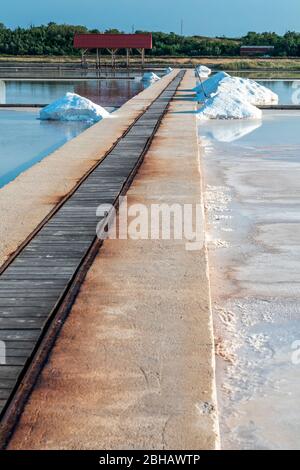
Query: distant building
(256,50)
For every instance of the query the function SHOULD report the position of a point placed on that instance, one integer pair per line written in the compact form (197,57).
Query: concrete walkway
(133,367)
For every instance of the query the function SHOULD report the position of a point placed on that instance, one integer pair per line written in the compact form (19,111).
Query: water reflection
(229,131)
(104,92)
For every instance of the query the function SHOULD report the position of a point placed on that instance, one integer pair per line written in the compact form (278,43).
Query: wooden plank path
(36,282)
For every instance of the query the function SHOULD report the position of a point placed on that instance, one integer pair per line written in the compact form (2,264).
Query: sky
(204,17)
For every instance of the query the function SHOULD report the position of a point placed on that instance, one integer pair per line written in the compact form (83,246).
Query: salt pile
(210,85)
(203,71)
(150,77)
(227,97)
(256,94)
(168,70)
(72,107)
(224,105)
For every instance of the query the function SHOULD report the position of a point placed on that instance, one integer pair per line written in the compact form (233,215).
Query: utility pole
(133,29)
(181,27)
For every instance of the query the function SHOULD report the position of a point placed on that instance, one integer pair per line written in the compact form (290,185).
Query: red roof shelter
(113,42)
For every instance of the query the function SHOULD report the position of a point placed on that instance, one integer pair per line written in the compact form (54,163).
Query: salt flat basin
(110,92)
(25,140)
(252,174)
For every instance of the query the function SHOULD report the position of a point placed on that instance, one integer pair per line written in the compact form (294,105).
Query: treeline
(55,39)
(175,45)
(287,45)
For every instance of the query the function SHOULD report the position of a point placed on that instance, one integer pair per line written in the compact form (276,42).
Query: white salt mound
(203,71)
(224,105)
(226,97)
(255,93)
(150,77)
(210,85)
(72,107)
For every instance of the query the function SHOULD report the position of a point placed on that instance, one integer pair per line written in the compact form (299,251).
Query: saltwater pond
(287,90)
(25,140)
(252,197)
(107,93)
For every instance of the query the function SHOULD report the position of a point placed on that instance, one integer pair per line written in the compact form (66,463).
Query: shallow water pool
(252,174)
(287,90)
(110,92)
(25,140)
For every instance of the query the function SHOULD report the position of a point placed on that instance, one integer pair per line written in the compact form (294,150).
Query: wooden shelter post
(127,58)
